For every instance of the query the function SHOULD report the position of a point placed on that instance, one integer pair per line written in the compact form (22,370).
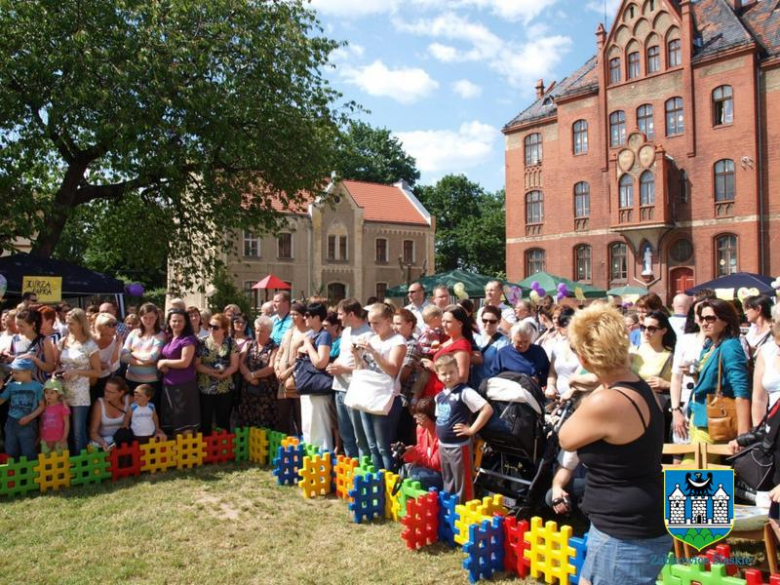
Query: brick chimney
(539,88)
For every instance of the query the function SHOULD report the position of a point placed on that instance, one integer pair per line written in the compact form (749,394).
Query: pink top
(53,422)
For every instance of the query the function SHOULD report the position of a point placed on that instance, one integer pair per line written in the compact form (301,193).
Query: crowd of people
(641,375)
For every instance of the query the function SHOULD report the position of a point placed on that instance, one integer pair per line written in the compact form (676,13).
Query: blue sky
(445,75)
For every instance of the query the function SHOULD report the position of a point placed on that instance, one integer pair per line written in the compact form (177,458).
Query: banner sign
(48,288)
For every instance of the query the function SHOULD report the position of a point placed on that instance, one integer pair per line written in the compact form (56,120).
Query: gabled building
(359,241)
(658,161)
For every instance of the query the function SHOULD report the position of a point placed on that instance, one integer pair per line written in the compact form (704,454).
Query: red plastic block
(754,577)
(219,447)
(421,522)
(514,545)
(125,461)
(721,552)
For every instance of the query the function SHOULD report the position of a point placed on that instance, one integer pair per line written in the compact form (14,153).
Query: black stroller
(520,443)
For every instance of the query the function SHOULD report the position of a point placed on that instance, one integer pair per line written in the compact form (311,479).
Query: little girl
(55,420)
(141,417)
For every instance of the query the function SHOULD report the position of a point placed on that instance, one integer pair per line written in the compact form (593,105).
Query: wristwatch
(676,409)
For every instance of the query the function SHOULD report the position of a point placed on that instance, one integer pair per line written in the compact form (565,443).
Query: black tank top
(624,493)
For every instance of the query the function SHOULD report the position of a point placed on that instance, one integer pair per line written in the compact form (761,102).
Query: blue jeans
(346,430)
(640,563)
(427,477)
(79,438)
(356,424)
(381,431)
(20,439)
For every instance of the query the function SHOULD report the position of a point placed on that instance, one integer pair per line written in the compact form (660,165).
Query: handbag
(371,392)
(755,464)
(310,379)
(721,413)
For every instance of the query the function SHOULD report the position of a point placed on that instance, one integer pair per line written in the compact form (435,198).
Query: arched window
(726,255)
(614,70)
(580,137)
(674,116)
(533,149)
(653,59)
(674,53)
(724,180)
(535,261)
(646,189)
(618,262)
(626,191)
(722,105)
(633,65)
(582,259)
(581,200)
(534,207)
(644,121)
(617,128)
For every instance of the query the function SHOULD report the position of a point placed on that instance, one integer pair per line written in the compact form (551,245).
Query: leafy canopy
(167,109)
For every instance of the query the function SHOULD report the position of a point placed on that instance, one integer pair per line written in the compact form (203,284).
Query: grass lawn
(211,525)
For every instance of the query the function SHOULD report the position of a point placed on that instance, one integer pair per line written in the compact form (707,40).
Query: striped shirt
(146,348)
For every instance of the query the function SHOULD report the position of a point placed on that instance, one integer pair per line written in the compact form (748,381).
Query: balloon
(535,285)
(561,286)
(135,289)
(513,294)
(746,292)
(534,296)
(3,286)
(460,291)
(560,296)
(563,290)
(775,285)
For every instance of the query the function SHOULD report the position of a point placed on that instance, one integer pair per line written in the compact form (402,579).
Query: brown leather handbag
(721,413)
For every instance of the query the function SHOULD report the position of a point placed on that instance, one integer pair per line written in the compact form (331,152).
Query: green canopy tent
(549,282)
(473,283)
(622,291)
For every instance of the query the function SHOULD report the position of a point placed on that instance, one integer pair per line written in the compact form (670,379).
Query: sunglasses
(215,326)
(651,329)
(709,318)
(489,321)
(411,292)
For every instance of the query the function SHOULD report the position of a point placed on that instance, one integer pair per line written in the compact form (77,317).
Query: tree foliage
(162,113)
(470,225)
(372,154)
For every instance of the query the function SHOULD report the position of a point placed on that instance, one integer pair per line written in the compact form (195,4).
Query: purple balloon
(540,291)
(535,285)
(561,286)
(135,289)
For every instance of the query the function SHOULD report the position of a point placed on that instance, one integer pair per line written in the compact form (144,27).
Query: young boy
(26,404)
(455,405)
(432,335)
(141,417)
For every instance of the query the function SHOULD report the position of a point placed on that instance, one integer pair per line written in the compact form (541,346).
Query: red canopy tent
(273,282)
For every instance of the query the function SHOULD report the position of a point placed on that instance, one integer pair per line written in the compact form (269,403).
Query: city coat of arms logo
(699,505)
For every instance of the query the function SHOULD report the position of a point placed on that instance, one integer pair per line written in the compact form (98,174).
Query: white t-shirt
(507,314)
(142,422)
(348,337)
(566,364)
(470,397)
(384,347)
(687,350)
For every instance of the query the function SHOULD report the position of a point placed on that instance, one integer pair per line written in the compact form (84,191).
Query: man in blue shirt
(282,319)
(522,356)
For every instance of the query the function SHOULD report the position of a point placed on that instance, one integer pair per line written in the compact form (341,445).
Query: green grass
(210,525)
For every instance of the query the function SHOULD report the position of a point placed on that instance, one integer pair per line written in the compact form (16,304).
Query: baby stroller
(520,443)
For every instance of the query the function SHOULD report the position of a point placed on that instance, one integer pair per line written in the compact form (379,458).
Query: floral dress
(258,401)
(76,356)
(218,358)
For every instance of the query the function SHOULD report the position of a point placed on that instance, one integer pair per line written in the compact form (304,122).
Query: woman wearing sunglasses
(483,362)
(722,363)
(652,360)
(110,345)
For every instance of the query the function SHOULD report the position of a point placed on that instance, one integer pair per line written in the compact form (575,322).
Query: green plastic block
(18,477)
(241,444)
(410,489)
(365,466)
(310,450)
(695,573)
(89,467)
(275,439)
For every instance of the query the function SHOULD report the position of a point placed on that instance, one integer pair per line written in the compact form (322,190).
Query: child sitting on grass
(55,420)
(455,406)
(26,403)
(141,417)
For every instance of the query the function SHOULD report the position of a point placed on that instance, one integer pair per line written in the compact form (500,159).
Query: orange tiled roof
(384,203)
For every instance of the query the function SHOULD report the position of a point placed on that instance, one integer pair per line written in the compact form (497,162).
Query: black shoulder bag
(755,464)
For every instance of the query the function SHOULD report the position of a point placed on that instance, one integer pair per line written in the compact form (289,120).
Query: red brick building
(658,161)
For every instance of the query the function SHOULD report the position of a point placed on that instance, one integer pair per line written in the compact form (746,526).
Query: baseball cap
(54,384)
(23,364)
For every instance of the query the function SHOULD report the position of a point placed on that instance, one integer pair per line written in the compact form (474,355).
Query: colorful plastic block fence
(549,551)
(275,439)
(580,546)
(290,441)
(447,517)
(190,451)
(345,471)
(287,463)
(474,512)
(310,450)
(485,549)
(365,466)
(421,522)
(241,444)
(219,448)
(18,477)
(696,573)
(316,475)
(125,461)
(755,577)
(368,497)
(514,545)
(717,555)
(258,446)
(90,467)
(53,471)
(392,496)
(158,456)
(410,489)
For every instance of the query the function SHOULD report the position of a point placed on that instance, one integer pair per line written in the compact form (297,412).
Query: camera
(398,450)
(693,368)
(754,436)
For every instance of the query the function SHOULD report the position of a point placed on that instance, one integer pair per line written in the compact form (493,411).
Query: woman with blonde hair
(617,432)
(110,346)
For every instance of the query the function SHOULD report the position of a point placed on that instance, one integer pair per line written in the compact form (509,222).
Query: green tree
(470,225)
(175,107)
(365,153)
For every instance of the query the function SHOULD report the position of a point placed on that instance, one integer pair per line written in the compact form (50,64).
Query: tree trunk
(54,221)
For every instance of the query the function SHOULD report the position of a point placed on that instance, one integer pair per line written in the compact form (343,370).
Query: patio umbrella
(549,282)
(622,291)
(473,283)
(748,280)
(271,281)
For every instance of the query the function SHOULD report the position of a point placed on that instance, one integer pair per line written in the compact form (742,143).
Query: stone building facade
(660,156)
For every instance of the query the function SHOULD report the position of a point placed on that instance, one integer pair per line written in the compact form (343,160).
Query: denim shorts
(628,562)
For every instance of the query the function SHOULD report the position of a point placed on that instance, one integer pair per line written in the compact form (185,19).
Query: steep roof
(387,203)
(584,80)
(763,20)
(719,27)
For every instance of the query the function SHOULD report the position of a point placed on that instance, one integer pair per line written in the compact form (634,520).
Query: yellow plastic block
(158,455)
(290,442)
(345,472)
(549,551)
(474,512)
(392,502)
(258,446)
(317,475)
(190,451)
(53,471)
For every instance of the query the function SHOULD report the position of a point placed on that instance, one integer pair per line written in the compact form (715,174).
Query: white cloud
(482,43)
(522,65)
(439,152)
(598,6)
(405,85)
(514,10)
(354,8)
(351,51)
(466,89)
